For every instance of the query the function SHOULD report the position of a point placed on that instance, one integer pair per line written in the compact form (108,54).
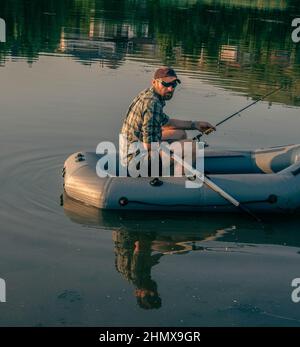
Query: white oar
(209,183)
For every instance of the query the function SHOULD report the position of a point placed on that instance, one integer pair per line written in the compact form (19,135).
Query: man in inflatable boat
(146,123)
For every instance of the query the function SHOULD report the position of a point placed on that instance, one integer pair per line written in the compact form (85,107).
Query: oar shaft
(211,184)
(217,189)
(229,198)
(205,180)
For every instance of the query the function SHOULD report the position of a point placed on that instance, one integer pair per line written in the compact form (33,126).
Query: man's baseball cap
(165,72)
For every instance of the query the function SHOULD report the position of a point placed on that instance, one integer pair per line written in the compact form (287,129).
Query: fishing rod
(208,131)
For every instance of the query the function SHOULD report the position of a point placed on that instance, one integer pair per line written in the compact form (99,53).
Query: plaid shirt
(144,120)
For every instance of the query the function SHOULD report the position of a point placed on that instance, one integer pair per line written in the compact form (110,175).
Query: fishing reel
(198,138)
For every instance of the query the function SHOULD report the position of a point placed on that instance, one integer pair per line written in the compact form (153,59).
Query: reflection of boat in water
(186,230)
(136,252)
(142,241)
(251,177)
(173,230)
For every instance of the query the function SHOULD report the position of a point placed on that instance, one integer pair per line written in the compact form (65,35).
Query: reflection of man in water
(134,261)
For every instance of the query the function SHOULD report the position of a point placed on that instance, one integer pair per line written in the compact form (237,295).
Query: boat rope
(123,201)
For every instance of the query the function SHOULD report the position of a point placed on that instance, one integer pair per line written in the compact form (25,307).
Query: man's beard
(168,96)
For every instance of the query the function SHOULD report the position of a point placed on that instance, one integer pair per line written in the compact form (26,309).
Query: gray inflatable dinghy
(265,180)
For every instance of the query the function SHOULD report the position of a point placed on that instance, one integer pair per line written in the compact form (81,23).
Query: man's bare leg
(170,135)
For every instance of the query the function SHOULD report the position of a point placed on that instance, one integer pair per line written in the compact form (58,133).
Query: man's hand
(204,127)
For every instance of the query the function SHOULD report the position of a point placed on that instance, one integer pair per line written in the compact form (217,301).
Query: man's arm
(188,125)
(178,124)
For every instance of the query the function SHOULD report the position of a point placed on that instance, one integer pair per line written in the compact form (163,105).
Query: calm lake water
(69,70)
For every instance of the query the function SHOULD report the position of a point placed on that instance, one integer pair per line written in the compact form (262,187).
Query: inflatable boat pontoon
(264,180)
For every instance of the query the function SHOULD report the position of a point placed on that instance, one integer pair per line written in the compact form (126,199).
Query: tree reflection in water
(244,46)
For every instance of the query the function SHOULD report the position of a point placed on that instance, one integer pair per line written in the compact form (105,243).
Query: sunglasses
(169,84)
